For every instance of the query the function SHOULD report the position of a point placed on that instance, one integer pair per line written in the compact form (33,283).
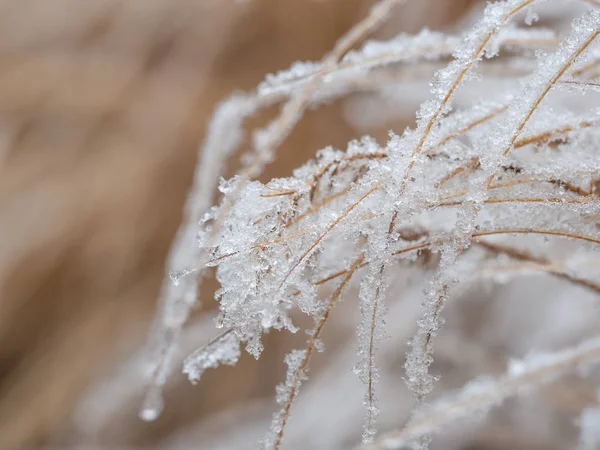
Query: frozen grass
(520,160)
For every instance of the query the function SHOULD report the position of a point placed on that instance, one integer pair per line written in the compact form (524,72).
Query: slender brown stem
(312,342)
(426,244)
(473,163)
(471,125)
(523,255)
(370,384)
(313,183)
(503,387)
(476,55)
(541,137)
(279,193)
(326,232)
(542,94)
(525,200)
(580,83)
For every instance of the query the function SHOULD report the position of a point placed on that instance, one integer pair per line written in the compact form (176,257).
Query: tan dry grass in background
(102,106)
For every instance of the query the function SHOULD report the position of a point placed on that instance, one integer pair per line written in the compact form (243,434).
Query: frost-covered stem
(179,290)
(540,231)
(373,322)
(523,255)
(354,65)
(541,137)
(420,357)
(581,83)
(585,68)
(556,268)
(536,102)
(506,183)
(370,390)
(467,65)
(378,14)
(427,244)
(222,349)
(562,200)
(268,139)
(470,126)
(330,227)
(480,396)
(295,379)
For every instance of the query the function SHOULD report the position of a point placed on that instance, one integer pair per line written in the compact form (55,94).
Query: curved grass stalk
(427,244)
(546,135)
(425,52)
(569,234)
(564,184)
(454,85)
(178,295)
(562,200)
(572,58)
(327,231)
(275,133)
(553,268)
(372,412)
(484,395)
(470,126)
(280,420)
(300,233)
(507,183)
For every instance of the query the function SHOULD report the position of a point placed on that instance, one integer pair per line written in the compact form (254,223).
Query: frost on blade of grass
(405,49)
(224,349)
(185,261)
(297,362)
(479,396)
(371,329)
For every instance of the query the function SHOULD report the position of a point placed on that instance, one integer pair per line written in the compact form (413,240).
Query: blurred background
(103,104)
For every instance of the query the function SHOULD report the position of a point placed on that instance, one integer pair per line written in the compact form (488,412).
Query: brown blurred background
(103,104)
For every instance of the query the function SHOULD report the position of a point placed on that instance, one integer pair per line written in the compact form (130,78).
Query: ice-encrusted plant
(520,159)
